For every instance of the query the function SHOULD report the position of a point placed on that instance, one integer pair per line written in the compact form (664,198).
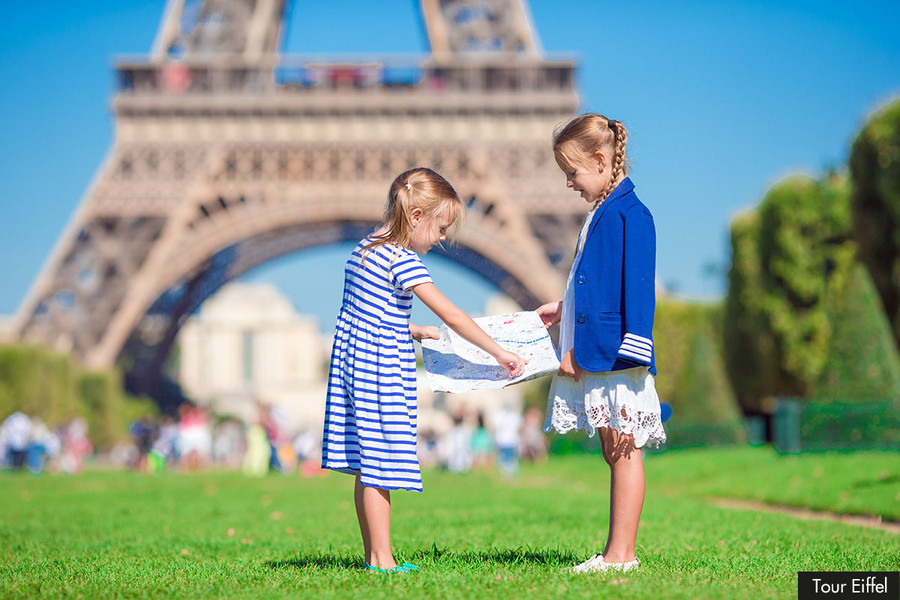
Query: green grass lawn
(216,534)
(848,483)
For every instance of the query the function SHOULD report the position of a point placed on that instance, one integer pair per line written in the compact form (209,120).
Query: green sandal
(399,569)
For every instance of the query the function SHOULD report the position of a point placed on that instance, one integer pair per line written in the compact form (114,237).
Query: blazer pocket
(608,336)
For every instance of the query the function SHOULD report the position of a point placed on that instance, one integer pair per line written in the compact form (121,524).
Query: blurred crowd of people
(473,444)
(26,443)
(196,439)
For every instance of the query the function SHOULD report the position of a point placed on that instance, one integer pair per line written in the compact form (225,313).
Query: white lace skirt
(622,400)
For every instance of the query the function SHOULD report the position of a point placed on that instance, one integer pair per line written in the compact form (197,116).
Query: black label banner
(848,585)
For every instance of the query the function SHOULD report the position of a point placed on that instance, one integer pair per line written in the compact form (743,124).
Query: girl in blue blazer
(605,379)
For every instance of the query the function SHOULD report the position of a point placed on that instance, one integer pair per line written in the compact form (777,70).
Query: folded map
(454,365)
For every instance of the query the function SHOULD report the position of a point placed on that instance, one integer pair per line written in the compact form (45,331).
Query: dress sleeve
(407,271)
(639,286)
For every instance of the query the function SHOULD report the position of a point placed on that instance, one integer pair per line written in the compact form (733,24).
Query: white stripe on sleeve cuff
(635,347)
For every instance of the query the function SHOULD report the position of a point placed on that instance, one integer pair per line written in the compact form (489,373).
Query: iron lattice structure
(227,154)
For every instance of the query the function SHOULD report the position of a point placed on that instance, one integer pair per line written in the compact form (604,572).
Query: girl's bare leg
(373,510)
(626,498)
(609,461)
(361,517)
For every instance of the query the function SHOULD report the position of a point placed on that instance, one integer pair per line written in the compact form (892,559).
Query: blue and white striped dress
(370,409)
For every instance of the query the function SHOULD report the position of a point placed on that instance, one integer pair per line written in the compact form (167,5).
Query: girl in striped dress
(370,412)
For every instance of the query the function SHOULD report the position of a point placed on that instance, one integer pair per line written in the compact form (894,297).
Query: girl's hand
(569,368)
(513,362)
(429,332)
(550,313)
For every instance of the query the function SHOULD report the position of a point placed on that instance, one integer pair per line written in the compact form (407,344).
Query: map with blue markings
(455,366)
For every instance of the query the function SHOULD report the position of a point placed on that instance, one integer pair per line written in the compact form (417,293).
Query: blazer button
(581,279)
(581,318)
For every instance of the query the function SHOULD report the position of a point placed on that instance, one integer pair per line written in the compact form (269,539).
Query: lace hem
(645,427)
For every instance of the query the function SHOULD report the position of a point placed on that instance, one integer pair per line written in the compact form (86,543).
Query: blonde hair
(578,140)
(419,188)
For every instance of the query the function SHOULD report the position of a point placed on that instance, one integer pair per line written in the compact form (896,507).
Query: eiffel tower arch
(227,154)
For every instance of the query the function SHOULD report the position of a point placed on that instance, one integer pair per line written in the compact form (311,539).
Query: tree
(875,170)
(789,257)
(749,344)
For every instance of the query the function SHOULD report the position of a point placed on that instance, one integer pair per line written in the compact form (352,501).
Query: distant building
(248,345)
(6,329)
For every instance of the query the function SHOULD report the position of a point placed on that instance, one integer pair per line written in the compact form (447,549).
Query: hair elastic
(612,124)
(408,187)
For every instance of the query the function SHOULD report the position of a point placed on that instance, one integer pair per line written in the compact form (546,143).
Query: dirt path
(803,513)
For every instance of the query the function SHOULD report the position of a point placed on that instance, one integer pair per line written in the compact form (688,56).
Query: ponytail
(419,188)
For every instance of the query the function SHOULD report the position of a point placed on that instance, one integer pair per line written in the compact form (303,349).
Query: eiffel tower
(228,154)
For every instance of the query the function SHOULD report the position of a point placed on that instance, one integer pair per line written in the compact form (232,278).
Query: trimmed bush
(705,411)
(863,364)
(37,382)
(48,385)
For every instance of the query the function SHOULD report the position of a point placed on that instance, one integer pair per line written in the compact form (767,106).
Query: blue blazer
(615,286)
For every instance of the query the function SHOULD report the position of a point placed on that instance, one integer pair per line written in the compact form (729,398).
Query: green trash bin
(786,425)
(755,425)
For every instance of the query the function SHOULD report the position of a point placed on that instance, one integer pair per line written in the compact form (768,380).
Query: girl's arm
(457,320)
(550,313)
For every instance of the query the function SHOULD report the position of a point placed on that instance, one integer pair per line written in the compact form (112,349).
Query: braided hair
(587,133)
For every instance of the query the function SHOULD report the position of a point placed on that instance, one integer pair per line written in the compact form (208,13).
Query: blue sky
(721,99)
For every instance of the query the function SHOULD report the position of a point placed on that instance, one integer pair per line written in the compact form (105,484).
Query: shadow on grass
(887,480)
(522,556)
(318,559)
(440,556)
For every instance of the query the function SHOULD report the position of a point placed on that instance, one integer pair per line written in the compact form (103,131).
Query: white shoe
(592,565)
(625,566)
(595,564)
